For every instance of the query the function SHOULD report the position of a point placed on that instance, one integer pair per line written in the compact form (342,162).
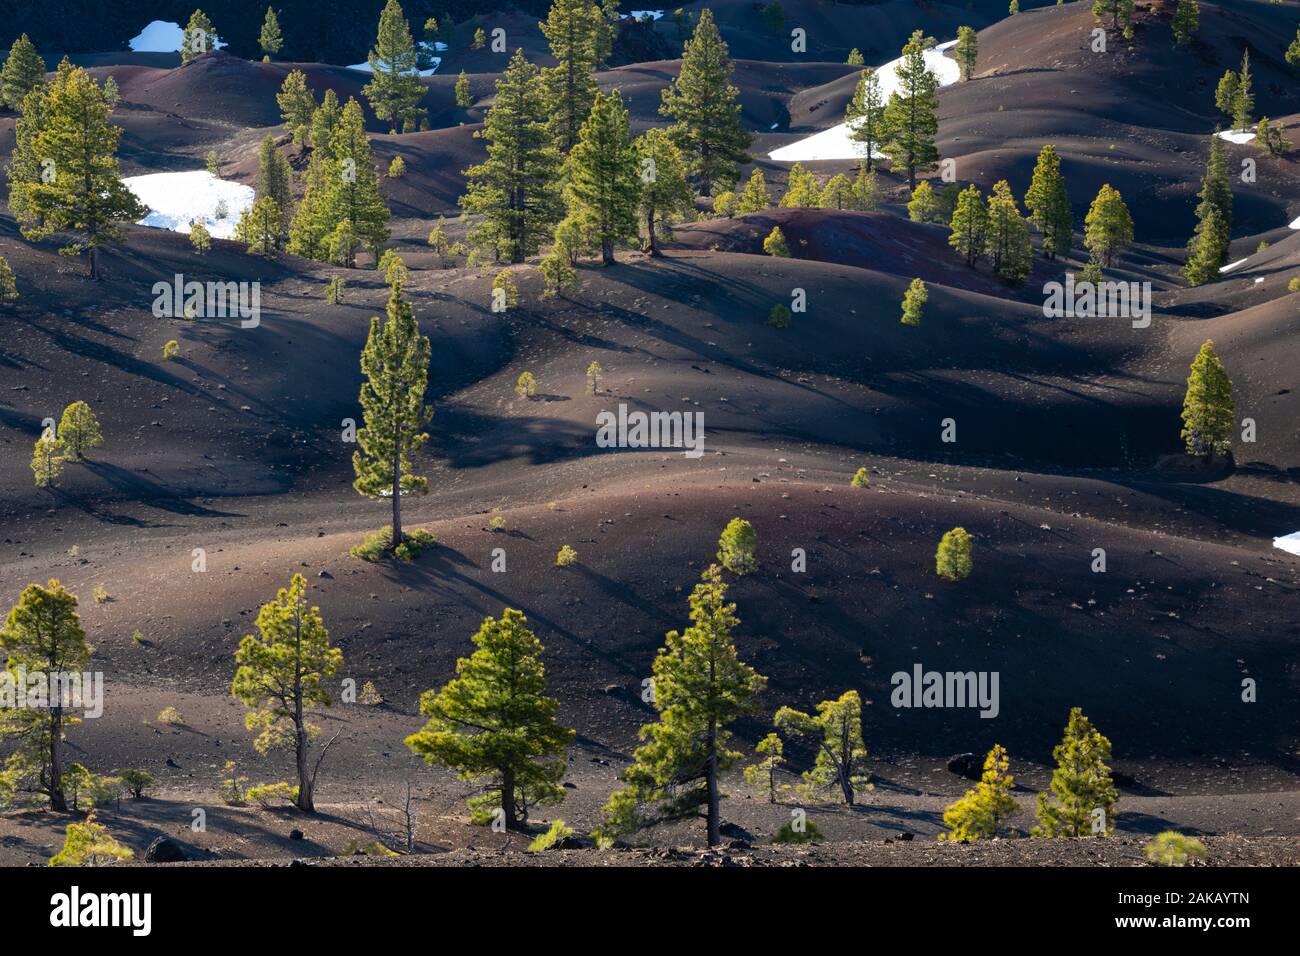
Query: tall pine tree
(969,226)
(866,117)
(1082,794)
(395,90)
(351,184)
(1049,204)
(666,196)
(23,71)
(909,118)
(1208,408)
(494,725)
(966,52)
(703,103)
(516,190)
(270,39)
(199,37)
(572,27)
(395,362)
(1108,228)
(77,142)
(603,190)
(701,686)
(1008,236)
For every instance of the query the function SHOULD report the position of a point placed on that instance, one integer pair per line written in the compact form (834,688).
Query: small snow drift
(834,143)
(1237,136)
(1289,542)
(436,61)
(162,36)
(643,15)
(175,200)
(1231,265)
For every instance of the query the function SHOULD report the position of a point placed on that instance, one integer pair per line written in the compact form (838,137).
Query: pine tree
(1243,103)
(700,687)
(25,166)
(283,674)
(270,39)
(1049,204)
(866,117)
(571,27)
(754,197)
(802,190)
(966,51)
(1081,784)
(8,286)
(260,227)
(762,775)
(914,301)
(395,362)
(198,38)
(1208,407)
(87,195)
(855,58)
(838,193)
(980,814)
(666,195)
(395,91)
(494,725)
(464,98)
(274,180)
(351,184)
(736,547)
(1119,11)
(922,207)
(866,188)
(1187,20)
(1108,228)
(970,222)
(1225,94)
(910,116)
(835,733)
(41,635)
(516,190)
(1293,51)
(79,430)
(324,121)
(952,559)
(297,105)
(200,238)
(48,458)
(703,103)
(22,72)
(603,188)
(1008,236)
(1205,250)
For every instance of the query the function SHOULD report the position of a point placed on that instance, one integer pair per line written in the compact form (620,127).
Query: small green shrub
(267,793)
(788,834)
(779,317)
(557,833)
(565,557)
(375,547)
(861,478)
(736,547)
(1172,848)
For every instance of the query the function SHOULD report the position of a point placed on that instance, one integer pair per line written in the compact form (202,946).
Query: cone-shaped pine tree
(494,725)
(351,185)
(395,362)
(572,27)
(464,98)
(1108,228)
(284,673)
(48,458)
(270,39)
(980,814)
(1216,192)
(604,188)
(1081,785)
(1187,20)
(966,52)
(922,207)
(700,687)
(836,735)
(1008,236)
(198,38)
(1205,251)
(77,142)
(866,117)
(395,91)
(1049,204)
(79,430)
(914,300)
(1208,407)
(762,775)
(42,634)
(273,180)
(970,225)
(666,196)
(297,105)
(23,71)
(952,559)
(703,103)
(909,117)
(516,190)
(754,197)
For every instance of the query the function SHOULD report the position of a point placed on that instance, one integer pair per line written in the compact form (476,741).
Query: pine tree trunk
(650,231)
(58,802)
(508,799)
(607,252)
(715,810)
(305,801)
(396,537)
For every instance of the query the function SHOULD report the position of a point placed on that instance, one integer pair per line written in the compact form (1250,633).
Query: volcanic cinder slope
(1068,441)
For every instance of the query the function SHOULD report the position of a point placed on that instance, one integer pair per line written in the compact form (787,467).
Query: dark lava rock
(967,765)
(295,834)
(165,850)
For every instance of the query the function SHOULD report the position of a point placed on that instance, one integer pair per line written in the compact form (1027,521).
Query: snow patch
(1289,543)
(1237,136)
(1295,224)
(177,199)
(643,15)
(834,143)
(1232,265)
(435,60)
(162,36)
